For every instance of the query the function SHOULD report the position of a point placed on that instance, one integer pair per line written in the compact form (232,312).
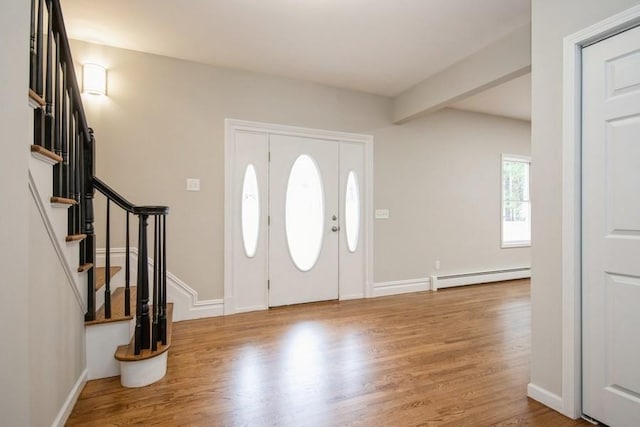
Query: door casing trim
(233,125)
(571,200)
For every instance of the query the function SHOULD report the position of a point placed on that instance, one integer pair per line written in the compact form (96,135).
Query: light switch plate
(382,213)
(193,184)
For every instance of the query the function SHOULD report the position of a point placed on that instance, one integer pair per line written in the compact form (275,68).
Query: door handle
(334,228)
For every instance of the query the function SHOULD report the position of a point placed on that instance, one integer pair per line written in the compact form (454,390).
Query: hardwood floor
(454,357)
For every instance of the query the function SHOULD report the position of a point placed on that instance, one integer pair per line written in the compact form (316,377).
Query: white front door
(304,223)
(611,230)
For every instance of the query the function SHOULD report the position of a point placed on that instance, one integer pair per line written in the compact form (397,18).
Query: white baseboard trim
(249,309)
(545,397)
(477,277)
(397,287)
(186,306)
(71,400)
(352,296)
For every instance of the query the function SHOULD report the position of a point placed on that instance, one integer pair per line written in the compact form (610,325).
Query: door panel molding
(233,301)
(571,196)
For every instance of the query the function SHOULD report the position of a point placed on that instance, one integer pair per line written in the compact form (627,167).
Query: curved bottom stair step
(148,366)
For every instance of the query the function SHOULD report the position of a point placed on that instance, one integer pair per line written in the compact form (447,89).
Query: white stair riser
(101,343)
(143,372)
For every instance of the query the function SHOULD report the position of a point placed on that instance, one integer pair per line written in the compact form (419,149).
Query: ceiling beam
(501,61)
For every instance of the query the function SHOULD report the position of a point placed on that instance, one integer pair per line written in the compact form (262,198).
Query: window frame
(521,159)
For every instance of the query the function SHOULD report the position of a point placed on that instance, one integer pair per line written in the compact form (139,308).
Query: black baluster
(142,306)
(64,142)
(33,56)
(37,42)
(48,113)
(88,152)
(127,274)
(163,293)
(107,264)
(58,169)
(36,68)
(156,257)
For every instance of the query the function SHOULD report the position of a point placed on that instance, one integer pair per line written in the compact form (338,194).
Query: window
(352,211)
(250,211)
(304,213)
(516,204)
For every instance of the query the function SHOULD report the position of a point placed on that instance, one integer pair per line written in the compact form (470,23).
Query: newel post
(143,325)
(87,219)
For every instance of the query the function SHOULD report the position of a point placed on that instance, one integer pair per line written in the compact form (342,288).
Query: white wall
(14,123)
(552,20)
(56,331)
(163,121)
(440,177)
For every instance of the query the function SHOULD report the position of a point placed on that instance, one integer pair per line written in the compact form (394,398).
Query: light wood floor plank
(456,357)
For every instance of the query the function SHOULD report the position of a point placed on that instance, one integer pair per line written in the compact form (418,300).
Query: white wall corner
(545,397)
(70,402)
(398,287)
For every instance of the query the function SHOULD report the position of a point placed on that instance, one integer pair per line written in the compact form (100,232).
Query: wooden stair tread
(117,308)
(43,153)
(126,353)
(101,278)
(75,237)
(63,201)
(37,98)
(85,267)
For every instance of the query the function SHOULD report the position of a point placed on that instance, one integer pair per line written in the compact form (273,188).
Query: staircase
(127,326)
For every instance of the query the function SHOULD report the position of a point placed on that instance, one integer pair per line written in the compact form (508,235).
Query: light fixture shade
(94,79)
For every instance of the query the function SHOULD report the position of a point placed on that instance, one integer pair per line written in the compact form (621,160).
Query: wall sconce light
(94,79)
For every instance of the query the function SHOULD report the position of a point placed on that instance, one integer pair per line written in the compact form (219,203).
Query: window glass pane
(304,213)
(515,184)
(352,211)
(250,211)
(516,205)
(516,226)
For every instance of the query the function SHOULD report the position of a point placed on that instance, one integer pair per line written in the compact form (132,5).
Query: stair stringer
(55,221)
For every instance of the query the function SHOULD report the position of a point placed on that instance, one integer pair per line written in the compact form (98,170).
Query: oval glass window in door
(304,213)
(250,211)
(352,211)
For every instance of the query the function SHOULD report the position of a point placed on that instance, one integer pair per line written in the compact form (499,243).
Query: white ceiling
(376,46)
(510,99)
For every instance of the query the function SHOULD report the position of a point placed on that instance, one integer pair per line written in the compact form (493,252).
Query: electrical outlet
(193,184)
(437,264)
(382,213)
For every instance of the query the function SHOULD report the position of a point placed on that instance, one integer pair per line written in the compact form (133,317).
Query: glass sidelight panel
(304,213)
(250,211)
(352,211)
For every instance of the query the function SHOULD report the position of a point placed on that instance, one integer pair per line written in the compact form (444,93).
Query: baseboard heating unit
(451,280)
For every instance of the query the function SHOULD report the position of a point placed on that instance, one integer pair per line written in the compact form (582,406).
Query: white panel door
(304,223)
(611,230)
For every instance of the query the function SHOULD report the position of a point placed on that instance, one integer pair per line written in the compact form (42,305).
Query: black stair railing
(60,126)
(151,321)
